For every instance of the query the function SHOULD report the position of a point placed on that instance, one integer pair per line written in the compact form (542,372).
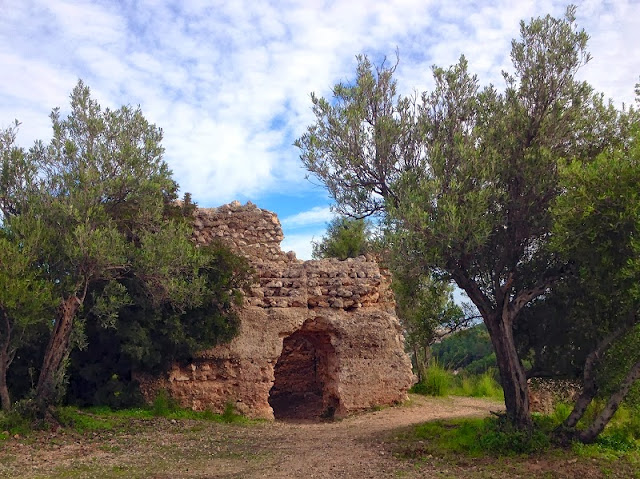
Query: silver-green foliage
(98,204)
(465,176)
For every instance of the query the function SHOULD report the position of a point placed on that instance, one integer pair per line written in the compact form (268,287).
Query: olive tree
(596,228)
(103,200)
(465,176)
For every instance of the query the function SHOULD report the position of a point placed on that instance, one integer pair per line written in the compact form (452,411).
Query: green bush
(419,388)
(230,415)
(477,437)
(440,382)
(633,425)
(466,386)
(561,412)
(164,405)
(500,437)
(619,439)
(14,423)
(487,386)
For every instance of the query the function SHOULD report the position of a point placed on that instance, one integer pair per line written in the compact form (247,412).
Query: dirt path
(352,448)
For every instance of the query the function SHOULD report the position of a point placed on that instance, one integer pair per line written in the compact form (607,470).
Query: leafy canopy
(465,177)
(97,206)
(345,238)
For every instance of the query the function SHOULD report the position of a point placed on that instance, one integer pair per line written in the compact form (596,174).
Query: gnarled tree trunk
(598,425)
(56,351)
(512,373)
(566,430)
(499,320)
(5,360)
(4,390)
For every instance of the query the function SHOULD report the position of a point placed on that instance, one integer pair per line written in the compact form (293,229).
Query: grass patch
(620,439)
(437,382)
(495,443)
(228,416)
(483,385)
(441,382)
(103,418)
(479,437)
(82,421)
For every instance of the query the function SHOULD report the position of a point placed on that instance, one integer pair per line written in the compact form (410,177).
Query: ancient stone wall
(545,394)
(341,312)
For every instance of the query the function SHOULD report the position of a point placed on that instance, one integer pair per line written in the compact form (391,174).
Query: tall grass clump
(436,383)
(487,386)
(560,412)
(483,385)
(164,405)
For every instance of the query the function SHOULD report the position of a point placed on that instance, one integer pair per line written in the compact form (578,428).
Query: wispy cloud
(229,83)
(316,215)
(302,244)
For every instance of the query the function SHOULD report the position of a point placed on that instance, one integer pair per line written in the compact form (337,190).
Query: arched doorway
(304,385)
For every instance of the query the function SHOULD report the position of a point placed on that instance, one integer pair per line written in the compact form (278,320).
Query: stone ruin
(317,338)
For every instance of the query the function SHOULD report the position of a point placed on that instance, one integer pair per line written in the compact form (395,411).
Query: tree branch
(589,381)
(473,291)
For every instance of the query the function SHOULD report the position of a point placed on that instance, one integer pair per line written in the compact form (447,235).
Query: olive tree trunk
(5,361)
(57,350)
(499,318)
(5,398)
(597,426)
(513,376)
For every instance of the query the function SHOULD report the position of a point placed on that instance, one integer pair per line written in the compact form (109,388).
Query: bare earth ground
(357,447)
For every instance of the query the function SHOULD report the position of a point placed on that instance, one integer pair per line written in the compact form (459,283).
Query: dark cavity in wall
(304,378)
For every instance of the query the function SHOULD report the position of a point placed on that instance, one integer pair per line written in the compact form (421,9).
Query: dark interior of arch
(302,378)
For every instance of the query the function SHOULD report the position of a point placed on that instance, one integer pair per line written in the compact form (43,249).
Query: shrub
(477,437)
(484,385)
(467,386)
(561,412)
(230,415)
(500,437)
(487,386)
(164,405)
(15,422)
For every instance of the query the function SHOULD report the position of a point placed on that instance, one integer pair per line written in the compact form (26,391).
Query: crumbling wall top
(249,230)
(282,281)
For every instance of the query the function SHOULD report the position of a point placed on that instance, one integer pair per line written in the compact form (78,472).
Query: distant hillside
(469,350)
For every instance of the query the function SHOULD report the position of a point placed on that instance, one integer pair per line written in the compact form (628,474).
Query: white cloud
(314,216)
(230,83)
(301,244)
(83,21)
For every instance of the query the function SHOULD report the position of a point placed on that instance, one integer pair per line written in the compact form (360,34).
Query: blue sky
(229,81)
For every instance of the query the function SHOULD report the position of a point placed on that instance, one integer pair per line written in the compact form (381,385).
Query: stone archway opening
(304,386)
